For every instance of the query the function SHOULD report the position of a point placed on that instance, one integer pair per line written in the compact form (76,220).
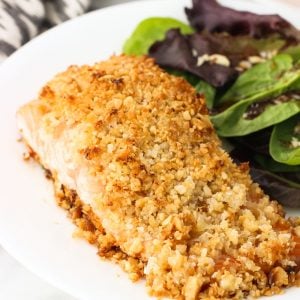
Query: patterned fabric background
(21,20)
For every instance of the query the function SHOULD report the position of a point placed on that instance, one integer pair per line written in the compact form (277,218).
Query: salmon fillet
(136,149)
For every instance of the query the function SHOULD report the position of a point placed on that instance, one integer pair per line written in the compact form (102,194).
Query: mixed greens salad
(248,68)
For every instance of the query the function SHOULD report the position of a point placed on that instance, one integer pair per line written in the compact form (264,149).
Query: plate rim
(28,45)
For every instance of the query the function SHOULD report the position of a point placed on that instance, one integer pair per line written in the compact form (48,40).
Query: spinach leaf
(257,88)
(258,80)
(149,31)
(233,123)
(281,146)
(208,91)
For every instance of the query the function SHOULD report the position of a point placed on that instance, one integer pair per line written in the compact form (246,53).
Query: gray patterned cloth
(21,20)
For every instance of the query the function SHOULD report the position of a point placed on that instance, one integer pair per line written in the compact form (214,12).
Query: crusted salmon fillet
(136,160)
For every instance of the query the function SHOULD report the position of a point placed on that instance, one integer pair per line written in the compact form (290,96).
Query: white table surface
(16,282)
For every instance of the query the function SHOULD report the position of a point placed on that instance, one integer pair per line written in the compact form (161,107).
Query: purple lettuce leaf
(176,51)
(235,48)
(210,16)
(277,187)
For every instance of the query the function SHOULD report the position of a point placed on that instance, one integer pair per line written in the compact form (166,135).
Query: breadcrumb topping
(171,199)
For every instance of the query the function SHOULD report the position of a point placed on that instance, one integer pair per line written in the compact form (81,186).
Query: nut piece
(244,64)
(194,52)
(256,59)
(202,59)
(295,143)
(268,54)
(220,60)
(297,129)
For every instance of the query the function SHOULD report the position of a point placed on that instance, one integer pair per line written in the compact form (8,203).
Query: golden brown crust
(172,199)
(90,228)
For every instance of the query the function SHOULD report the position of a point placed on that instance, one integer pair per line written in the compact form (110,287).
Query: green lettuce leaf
(232,122)
(281,148)
(260,79)
(208,91)
(294,52)
(149,31)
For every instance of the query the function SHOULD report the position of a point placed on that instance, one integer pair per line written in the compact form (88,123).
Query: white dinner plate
(32,228)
